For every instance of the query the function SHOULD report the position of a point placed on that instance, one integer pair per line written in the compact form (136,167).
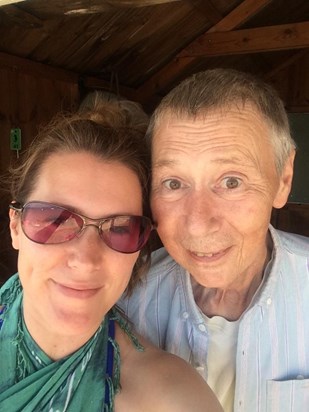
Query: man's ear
(14,228)
(285,182)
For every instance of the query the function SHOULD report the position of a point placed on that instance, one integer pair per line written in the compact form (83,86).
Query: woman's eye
(231,182)
(172,184)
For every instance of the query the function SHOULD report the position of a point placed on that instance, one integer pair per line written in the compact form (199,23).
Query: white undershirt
(221,360)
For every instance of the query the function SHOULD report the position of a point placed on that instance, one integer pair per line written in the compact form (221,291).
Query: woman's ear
(14,228)
(285,182)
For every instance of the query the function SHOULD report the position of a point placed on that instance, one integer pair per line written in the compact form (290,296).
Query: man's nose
(202,212)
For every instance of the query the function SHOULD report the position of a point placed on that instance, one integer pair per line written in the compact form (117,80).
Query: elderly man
(229,293)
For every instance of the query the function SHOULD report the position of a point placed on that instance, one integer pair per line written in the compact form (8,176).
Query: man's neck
(228,303)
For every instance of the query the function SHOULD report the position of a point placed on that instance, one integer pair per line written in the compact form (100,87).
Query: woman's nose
(88,249)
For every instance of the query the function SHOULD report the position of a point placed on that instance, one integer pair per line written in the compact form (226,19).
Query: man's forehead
(233,124)
(240,140)
(178,116)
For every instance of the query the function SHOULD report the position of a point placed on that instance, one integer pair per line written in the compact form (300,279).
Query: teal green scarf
(30,381)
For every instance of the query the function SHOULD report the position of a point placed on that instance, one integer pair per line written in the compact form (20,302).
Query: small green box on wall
(15,139)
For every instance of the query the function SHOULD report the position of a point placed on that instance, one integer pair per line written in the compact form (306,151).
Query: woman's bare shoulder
(155,380)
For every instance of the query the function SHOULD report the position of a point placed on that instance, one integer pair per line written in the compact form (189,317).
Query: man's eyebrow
(228,160)
(220,160)
(165,163)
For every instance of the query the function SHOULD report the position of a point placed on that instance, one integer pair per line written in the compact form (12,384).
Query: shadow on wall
(300,132)
(8,256)
(293,217)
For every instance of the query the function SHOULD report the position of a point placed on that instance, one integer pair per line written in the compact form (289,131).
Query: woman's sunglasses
(46,223)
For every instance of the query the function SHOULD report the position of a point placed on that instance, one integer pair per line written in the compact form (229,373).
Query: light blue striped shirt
(272,360)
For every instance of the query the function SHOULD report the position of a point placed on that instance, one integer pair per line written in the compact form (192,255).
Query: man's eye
(172,184)
(231,182)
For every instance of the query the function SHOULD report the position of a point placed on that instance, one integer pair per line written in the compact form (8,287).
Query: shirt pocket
(288,396)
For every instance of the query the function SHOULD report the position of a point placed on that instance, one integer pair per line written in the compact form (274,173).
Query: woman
(79,222)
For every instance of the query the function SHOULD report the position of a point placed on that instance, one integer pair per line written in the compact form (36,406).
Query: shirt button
(185,315)
(200,368)
(202,327)
(269,301)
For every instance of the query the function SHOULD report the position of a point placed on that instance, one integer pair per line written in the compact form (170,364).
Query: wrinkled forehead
(217,135)
(245,114)
(176,115)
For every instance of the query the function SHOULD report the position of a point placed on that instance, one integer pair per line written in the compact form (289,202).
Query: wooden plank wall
(29,98)
(27,101)
(292,82)
(293,217)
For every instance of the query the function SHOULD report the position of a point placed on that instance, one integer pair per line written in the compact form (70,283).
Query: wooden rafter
(246,10)
(56,7)
(262,39)
(21,17)
(28,66)
(5,2)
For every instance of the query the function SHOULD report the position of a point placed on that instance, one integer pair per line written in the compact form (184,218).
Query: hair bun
(112,111)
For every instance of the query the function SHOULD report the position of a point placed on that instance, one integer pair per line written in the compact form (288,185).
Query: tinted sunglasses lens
(51,224)
(126,234)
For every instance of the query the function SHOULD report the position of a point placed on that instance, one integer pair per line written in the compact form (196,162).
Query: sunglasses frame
(19,208)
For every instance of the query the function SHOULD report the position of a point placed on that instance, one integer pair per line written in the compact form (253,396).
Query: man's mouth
(209,255)
(200,254)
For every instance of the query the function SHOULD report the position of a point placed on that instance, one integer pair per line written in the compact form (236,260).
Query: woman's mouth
(79,292)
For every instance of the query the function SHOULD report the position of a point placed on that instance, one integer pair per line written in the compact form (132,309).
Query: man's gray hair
(224,88)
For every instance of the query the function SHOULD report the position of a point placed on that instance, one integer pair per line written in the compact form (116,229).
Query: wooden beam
(22,18)
(5,2)
(34,68)
(262,39)
(56,7)
(243,12)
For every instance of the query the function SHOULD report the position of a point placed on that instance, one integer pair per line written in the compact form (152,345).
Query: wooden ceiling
(142,48)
